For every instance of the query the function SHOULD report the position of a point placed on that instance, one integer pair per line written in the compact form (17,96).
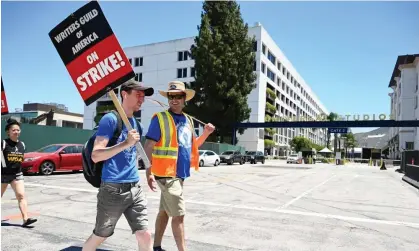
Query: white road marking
(304,194)
(262,209)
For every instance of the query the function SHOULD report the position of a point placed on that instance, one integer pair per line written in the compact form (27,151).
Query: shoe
(158,249)
(28,222)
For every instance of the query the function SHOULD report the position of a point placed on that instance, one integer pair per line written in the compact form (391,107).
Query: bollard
(383,165)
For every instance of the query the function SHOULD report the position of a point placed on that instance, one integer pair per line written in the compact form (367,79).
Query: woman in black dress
(11,167)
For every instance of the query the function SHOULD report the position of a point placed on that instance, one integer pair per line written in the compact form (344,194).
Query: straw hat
(178,86)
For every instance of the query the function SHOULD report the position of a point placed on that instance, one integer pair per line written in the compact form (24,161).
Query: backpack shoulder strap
(118,130)
(3,145)
(139,127)
(23,144)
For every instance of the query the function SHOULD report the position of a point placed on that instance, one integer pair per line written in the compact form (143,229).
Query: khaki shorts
(116,199)
(171,199)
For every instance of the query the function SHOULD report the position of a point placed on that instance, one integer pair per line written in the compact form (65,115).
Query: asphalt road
(275,206)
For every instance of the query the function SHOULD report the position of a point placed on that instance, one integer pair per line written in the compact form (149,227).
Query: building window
(264,49)
(182,55)
(255,46)
(410,145)
(271,75)
(138,62)
(139,77)
(271,58)
(279,66)
(182,72)
(254,65)
(130,61)
(263,67)
(416,102)
(192,71)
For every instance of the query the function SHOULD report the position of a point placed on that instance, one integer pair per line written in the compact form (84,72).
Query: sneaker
(29,221)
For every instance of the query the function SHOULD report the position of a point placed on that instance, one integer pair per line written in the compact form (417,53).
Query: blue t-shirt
(121,168)
(184,137)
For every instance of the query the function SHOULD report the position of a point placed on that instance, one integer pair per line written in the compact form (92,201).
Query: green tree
(350,142)
(300,142)
(224,60)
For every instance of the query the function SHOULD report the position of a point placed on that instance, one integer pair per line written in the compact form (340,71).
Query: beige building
(36,113)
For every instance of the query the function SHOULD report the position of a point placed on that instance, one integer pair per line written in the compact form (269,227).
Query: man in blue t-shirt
(120,191)
(172,203)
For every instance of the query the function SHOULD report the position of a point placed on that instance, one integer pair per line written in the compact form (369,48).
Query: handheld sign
(4,107)
(91,52)
(94,58)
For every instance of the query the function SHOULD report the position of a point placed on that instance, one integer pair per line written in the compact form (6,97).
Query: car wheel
(47,168)
(216,163)
(241,162)
(230,162)
(263,161)
(201,163)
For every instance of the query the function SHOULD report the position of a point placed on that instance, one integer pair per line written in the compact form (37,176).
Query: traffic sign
(338,130)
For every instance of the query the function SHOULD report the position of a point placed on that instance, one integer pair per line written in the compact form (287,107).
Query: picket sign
(94,58)
(4,107)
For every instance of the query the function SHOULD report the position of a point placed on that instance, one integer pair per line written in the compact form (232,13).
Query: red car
(56,157)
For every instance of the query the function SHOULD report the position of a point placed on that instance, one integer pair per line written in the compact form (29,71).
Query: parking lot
(271,206)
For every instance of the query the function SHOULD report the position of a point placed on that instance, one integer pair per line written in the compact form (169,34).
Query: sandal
(29,221)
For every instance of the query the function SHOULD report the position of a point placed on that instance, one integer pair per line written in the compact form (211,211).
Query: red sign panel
(91,52)
(4,107)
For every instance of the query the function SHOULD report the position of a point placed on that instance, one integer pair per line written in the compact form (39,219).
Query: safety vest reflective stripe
(166,126)
(165,156)
(158,152)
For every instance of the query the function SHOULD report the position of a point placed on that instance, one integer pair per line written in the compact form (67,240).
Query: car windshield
(227,153)
(201,152)
(49,149)
(251,153)
(293,155)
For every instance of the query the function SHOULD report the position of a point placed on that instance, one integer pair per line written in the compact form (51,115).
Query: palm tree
(332,117)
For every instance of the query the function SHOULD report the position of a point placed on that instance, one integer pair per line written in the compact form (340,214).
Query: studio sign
(348,117)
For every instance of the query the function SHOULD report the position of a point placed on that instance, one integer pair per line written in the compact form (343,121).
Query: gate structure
(326,124)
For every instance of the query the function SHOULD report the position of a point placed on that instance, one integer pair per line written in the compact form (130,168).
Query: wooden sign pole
(166,106)
(124,118)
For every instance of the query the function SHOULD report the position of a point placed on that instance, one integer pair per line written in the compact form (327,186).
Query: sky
(345,51)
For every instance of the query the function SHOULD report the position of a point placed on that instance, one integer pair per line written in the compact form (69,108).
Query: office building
(280,93)
(404,104)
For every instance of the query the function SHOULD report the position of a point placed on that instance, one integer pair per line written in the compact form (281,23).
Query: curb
(411,181)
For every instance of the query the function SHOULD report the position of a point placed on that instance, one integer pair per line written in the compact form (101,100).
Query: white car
(208,157)
(293,158)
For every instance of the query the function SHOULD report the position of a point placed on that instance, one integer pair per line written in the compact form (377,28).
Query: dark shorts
(115,199)
(8,178)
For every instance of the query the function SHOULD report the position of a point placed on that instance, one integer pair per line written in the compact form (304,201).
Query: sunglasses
(172,97)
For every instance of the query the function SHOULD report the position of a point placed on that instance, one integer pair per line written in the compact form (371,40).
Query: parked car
(231,157)
(254,156)
(293,158)
(208,157)
(56,157)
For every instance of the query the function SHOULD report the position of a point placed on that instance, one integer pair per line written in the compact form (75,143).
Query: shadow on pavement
(74,248)
(5,224)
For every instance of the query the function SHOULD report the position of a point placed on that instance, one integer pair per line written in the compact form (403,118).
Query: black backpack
(93,171)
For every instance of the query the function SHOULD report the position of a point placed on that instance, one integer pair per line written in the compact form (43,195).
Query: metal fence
(37,136)
(221,147)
